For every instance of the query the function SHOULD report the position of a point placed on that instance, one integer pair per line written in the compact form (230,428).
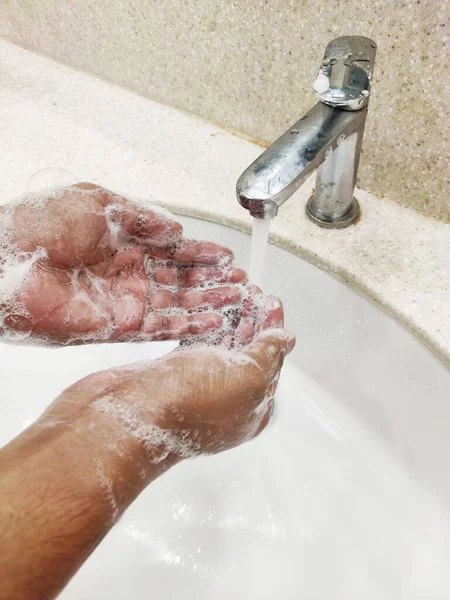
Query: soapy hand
(68,477)
(82,264)
(190,402)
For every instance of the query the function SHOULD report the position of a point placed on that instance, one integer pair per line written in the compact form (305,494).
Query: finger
(255,314)
(128,312)
(245,332)
(194,252)
(270,314)
(269,350)
(165,276)
(127,260)
(128,275)
(130,291)
(266,307)
(258,313)
(216,297)
(205,253)
(146,225)
(189,299)
(200,275)
(252,300)
(176,327)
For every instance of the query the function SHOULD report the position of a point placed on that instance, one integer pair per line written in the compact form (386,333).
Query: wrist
(110,428)
(85,458)
(62,486)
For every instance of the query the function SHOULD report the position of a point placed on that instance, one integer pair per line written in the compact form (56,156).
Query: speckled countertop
(54,117)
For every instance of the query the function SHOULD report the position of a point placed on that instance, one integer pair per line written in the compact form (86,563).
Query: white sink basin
(345,496)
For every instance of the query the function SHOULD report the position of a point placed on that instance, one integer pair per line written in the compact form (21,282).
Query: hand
(193,401)
(66,479)
(88,265)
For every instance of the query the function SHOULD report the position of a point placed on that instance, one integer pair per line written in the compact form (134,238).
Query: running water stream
(260,236)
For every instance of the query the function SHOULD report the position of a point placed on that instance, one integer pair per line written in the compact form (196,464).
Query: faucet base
(332,222)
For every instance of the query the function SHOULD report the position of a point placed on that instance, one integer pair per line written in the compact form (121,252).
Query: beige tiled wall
(249,65)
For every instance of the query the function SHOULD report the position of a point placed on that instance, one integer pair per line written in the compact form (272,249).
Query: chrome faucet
(328,138)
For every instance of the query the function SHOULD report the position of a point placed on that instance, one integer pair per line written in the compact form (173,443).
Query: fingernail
(239,275)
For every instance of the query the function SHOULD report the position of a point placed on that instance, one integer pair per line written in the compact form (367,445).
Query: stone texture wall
(249,65)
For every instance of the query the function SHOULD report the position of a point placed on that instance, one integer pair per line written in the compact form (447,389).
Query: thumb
(269,349)
(139,219)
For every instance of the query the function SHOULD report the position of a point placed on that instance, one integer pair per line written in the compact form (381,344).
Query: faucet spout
(327,139)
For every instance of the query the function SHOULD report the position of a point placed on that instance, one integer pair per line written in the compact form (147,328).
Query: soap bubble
(51,177)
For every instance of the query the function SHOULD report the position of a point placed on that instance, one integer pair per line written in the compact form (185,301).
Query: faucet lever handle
(345,74)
